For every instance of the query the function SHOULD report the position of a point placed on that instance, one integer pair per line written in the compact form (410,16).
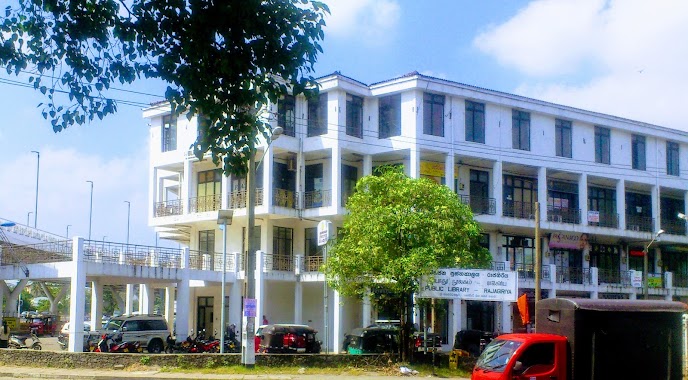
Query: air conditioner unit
(291,164)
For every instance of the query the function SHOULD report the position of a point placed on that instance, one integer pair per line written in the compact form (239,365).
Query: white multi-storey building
(606,186)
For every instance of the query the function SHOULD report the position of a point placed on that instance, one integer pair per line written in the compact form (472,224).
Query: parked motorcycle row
(200,344)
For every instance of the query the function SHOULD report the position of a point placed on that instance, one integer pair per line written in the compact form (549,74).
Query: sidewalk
(92,374)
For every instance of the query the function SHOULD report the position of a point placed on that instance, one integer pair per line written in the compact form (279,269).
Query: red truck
(584,339)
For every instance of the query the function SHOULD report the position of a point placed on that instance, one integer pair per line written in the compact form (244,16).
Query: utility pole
(538,258)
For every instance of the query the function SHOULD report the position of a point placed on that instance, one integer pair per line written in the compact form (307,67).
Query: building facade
(606,186)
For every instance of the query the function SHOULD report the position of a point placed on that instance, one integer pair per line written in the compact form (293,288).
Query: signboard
(250,307)
(12,323)
(593,216)
(471,284)
(636,279)
(567,240)
(654,282)
(324,229)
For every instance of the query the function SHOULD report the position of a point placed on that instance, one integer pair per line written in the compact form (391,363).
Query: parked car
(434,342)
(473,341)
(150,331)
(288,338)
(65,328)
(371,340)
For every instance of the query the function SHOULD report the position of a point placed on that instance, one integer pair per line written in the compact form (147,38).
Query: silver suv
(150,331)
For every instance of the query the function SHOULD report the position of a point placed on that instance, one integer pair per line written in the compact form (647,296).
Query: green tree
(397,230)
(222,60)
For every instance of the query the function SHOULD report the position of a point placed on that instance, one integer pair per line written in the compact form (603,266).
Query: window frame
(433,112)
(520,129)
(354,115)
(317,115)
(638,152)
(169,133)
(279,235)
(389,116)
(288,123)
(475,131)
(206,238)
(602,145)
(673,161)
(563,138)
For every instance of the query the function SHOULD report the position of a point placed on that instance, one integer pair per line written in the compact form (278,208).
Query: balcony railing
(563,215)
(284,198)
(609,276)
(527,272)
(237,199)
(573,275)
(312,263)
(680,280)
(639,223)
(498,265)
(131,254)
(168,208)
(521,210)
(480,205)
(205,203)
(674,226)
(315,199)
(57,251)
(606,219)
(279,262)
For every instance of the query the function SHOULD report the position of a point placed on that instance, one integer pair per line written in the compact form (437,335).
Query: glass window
(282,243)
(520,130)
(638,152)
(206,241)
(563,137)
(349,178)
(312,248)
(317,115)
(433,114)
(354,116)
(390,116)
(209,183)
(475,122)
(132,326)
(602,145)
(672,158)
(169,133)
(286,115)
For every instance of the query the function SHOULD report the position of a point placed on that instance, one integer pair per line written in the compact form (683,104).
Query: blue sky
(625,58)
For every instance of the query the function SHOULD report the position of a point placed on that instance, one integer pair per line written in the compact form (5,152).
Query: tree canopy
(222,60)
(399,229)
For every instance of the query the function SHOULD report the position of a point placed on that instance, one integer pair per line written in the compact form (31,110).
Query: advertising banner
(471,284)
(568,240)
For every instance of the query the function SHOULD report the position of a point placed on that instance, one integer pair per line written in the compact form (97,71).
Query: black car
(287,338)
(473,341)
(372,340)
(434,342)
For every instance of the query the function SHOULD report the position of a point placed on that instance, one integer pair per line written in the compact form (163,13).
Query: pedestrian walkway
(100,374)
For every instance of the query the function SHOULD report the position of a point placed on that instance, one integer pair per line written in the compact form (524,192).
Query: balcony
(480,205)
(313,263)
(205,203)
(275,262)
(237,199)
(574,275)
(315,199)
(527,272)
(639,223)
(563,215)
(284,198)
(613,277)
(520,210)
(673,226)
(606,219)
(168,208)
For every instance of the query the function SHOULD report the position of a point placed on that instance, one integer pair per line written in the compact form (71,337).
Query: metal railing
(498,265)
(57,251)
(673,227)
(574,275)
(132,254)
(313,263)
(284,198)
(205,203)
(319,198)
(608,276)
(274,262)
(527,272)
(521,210)
(639,223)
(168,208)
(480,205)
(680,280)
(237,199)
(609,220)
(563,215)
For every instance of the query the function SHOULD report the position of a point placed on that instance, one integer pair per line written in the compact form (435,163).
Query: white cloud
(629,53)
(64,195)
(369,21)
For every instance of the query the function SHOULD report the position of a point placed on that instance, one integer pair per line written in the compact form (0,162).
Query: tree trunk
(406,343)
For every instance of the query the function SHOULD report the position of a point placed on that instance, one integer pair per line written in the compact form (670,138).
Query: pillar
(77,294)
(336,174)
(96,304)
(368,168)
(656,220)
(449,171)
(260,287)
(621,203)
(169,307)
(186,185)
(553,280)
(594,281)
(182,322)
(456,318)
(668,285)
(235,294)
(507,323)
(414,163)
(336,332)
(146,298)
(267,165)
(129,299)
(583,198)
(13,296)
(224,203)
(497,186)
(298,302)
(367,314)
(542,192)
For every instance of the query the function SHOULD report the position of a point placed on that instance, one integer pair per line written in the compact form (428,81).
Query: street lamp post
(128,215)
(248,356)
(646,264)
(90,211)
(224,218)
(38,167)
(69,225)
(28,218)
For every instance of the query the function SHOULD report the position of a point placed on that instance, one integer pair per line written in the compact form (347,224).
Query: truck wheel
(155,346)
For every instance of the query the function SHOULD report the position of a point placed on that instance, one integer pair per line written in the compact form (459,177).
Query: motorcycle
(63,341)
(18,342)
(113,343)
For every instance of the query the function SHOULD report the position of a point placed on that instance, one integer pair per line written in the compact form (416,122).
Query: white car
(65,328)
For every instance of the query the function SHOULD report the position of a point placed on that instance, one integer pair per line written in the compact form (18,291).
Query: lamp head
(681,216)
(276,133)
(224,216)
(660,232)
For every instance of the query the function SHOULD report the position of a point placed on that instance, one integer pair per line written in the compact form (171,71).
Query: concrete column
(553,276)
(368,167)
(621,203)
(583,197)
(497,186)
(153,191)
(96,304)
(169,307)
(542,193)
(668,285)
(183,322)
(235,306)
(507,323)
(336,178)
(13,296)
(457,319)
(267,165)
(298,302)
(655,210)
(224,203)
(338,320)
(594,281)
(367,313)
(146,298)
(260,287)
(77,294)
(129,299)
(2,298)
(449,171)
(414,163)
(633,295)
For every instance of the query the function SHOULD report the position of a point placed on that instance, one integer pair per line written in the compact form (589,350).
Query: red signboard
(636,253)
